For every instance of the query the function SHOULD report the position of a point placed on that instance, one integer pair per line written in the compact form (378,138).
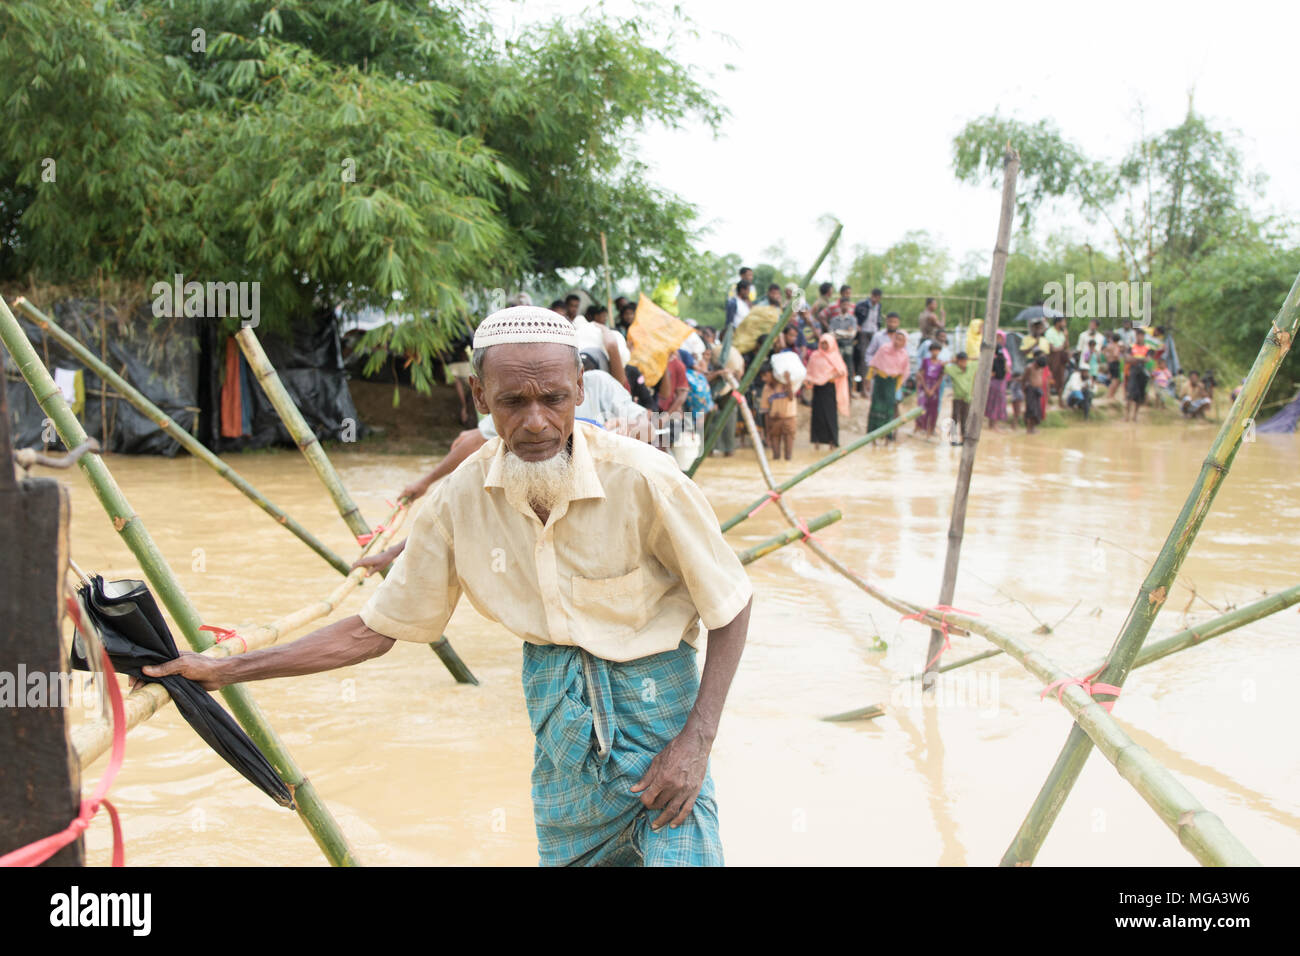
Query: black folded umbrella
(134,634)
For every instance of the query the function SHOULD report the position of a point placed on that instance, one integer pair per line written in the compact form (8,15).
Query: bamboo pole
(1189,637)
(311,449)
(817,466)
(180,435)
(94,738)
(1200,831)
(750,555)
(609,288)
(975,415)
(314,814)
(1151,595)
(1200,633)
(300,431)
(715,430)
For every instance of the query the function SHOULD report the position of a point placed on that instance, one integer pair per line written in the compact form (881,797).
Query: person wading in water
(607,561)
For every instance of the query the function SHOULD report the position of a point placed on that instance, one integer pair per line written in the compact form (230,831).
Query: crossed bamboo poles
(1199,830)
(311,809)
(293,421)
(92,739)
(1155,587)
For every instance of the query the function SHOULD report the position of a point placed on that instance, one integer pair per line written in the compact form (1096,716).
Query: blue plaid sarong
(598,725)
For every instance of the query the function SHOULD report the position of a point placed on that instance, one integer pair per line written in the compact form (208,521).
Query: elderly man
(604,402)
(605,561)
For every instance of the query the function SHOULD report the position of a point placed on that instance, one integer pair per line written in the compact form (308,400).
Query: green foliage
(1174,196)
(1224,305)
(1050,166)
(913,266)
(706,280)
(1030,267)
(336,151)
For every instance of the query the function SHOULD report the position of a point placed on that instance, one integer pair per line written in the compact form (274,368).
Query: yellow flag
(652,337)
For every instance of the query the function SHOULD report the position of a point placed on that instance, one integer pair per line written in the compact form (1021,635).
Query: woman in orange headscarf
(829,377)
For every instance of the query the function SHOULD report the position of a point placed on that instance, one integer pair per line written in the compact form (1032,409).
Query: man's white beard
(542,484)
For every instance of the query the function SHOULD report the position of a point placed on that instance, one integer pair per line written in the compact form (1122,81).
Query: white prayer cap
(524,324)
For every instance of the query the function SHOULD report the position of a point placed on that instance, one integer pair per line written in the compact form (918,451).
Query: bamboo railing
(975,414)
(817,466)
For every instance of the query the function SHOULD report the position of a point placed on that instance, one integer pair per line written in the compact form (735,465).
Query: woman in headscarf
(995,409)
(888,368)
(829,377)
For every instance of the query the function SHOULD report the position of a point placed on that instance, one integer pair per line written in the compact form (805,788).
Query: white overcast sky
(850,108)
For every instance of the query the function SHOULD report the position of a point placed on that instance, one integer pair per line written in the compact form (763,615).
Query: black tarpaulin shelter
(160,359)
(133,631)
(178,364)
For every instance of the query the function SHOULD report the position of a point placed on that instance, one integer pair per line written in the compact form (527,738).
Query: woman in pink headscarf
(829,377)
(887,371)
(995,409)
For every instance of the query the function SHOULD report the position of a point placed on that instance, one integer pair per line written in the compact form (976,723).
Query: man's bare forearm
(340,644)
(726,644)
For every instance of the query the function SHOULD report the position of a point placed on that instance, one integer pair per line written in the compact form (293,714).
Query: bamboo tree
(817,466)
(315,816)
(179,434)
(715,430)
(311,449)
(1155,587)
(975,415)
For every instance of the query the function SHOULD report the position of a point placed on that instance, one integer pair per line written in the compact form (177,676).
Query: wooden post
(609,288)
(979,397)
(40,779)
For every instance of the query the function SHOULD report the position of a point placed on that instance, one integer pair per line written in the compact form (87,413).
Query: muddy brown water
(1062,527)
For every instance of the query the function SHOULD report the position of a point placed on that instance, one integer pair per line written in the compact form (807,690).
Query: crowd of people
(850,350)
(837,350)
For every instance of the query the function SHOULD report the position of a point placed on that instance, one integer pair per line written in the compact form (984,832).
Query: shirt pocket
(615,605)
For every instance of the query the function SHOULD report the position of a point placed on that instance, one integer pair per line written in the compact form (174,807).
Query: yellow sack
(973,336)
(652,337)
(761,320)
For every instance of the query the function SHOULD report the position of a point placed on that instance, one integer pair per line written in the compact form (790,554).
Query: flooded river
(1062,526)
